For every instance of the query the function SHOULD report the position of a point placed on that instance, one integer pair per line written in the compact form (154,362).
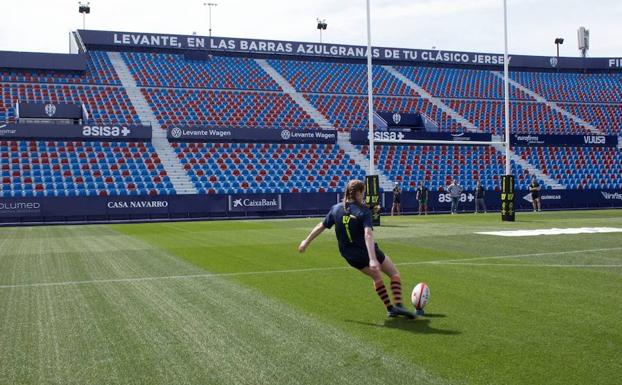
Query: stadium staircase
(343,138)
(435,101)
(180,179)
(471,127)
(552,105)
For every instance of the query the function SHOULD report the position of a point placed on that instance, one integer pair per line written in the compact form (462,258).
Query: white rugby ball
(420,295)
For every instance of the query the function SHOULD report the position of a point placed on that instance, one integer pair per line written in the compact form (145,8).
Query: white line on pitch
(526,265)
(209,275)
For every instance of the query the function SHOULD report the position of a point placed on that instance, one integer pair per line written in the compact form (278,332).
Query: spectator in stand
(534,187)
(479,198)
(422,198)
(397,200)
(455,190)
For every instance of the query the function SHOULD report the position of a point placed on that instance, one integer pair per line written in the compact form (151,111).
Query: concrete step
(470,126)
(180,179)
(343,139)
(552,105)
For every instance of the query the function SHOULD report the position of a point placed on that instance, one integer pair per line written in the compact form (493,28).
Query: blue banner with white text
(250,135)
(563,140)
(135,40)
(361,136)
(278,205)
(113,132)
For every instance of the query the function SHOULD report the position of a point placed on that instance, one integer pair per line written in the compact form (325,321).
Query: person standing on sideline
(534,187)
(454,190)
(355,238)
(479,198)
(422,198)
(397,200)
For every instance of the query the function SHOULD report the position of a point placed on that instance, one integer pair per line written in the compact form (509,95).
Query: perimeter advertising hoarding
(126,133)
(563,140)
(361,136)
(250,135)
(79,208)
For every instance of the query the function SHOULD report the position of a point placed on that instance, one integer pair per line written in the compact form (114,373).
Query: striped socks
(396,289)
(381,290)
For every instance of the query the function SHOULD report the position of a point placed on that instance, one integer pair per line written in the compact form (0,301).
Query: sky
(455,25)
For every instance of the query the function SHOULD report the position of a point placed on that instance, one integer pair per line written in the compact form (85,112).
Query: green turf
(233,303)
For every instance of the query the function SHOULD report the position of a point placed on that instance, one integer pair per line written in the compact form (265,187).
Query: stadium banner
(250,135)
(361,136)
(50,110)
(254,202)
(563,140)
(400,119)
(129,133)
(277,205)
(439,201)
(139,41)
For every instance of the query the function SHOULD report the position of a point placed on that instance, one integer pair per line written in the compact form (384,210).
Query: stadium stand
(65,168)
(350,112)
(231,92)
(573,87)
(221,72)
(578,167)
(459,83)
(218,168)
(99,72)
(105,104)
(437,166)
(526,117)
(338,78)
(224,108)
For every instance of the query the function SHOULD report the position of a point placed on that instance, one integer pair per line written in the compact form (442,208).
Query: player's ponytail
(349,196)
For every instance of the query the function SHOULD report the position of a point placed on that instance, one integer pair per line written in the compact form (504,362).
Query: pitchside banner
(75,132)
(79,208)
(563,140)
(361,136)
(133,40)
(254,202)
(250,135)
(550,199)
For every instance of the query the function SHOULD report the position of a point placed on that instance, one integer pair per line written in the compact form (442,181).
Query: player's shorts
(358,257)
(423,201)
(396,200)
(535,195)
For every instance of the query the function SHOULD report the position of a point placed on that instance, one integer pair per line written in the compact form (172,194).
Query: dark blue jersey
(349,227)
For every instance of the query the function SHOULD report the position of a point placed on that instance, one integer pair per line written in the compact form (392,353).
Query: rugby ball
(420,295)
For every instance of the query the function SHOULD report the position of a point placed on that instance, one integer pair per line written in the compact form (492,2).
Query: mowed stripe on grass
(160,332)
(488,324)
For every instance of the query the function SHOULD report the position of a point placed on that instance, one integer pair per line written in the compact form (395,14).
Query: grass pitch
(233,303)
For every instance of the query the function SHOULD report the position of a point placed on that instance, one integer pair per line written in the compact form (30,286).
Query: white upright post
(506,86)
(370,109)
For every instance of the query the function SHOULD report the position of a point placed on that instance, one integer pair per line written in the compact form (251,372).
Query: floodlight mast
(84,9)
(209,6)
(370,105)
(321,25)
